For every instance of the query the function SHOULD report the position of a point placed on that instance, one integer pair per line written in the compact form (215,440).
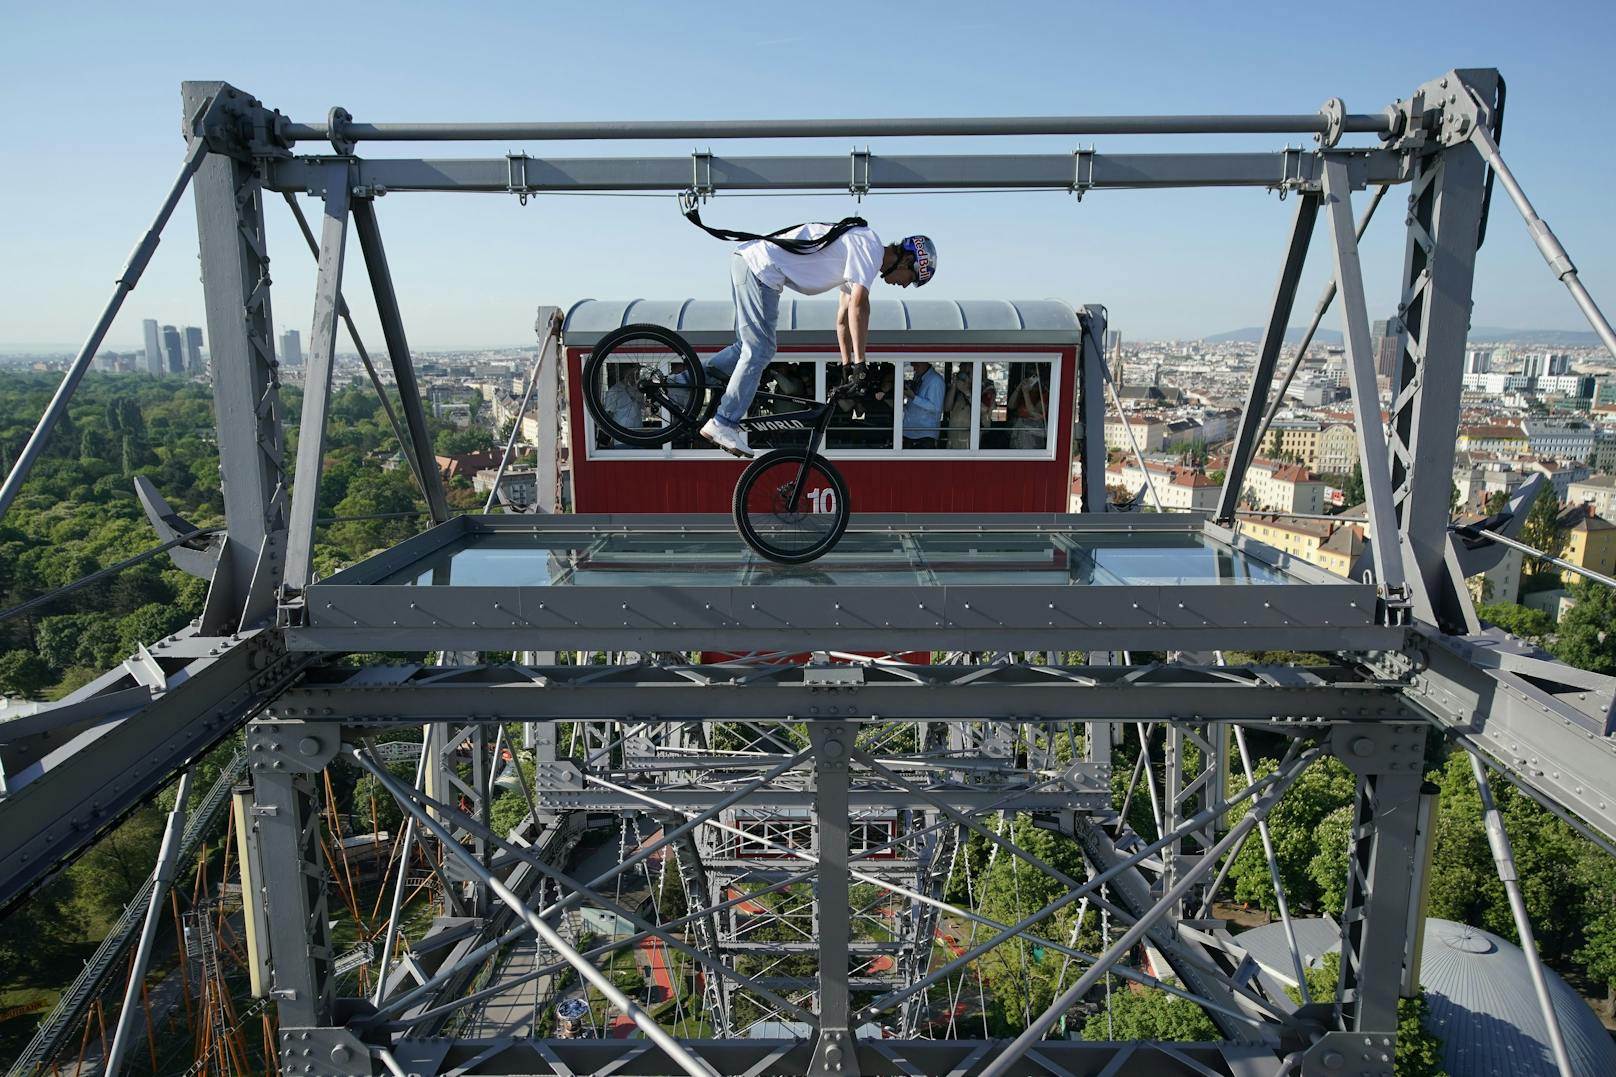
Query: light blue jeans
(757,310)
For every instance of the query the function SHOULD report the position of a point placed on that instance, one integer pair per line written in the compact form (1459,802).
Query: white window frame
(1055,358)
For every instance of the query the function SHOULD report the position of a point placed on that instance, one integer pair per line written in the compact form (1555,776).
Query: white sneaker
(732,439)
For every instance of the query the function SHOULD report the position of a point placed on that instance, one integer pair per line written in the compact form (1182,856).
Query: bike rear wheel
(643,386)
(789,514)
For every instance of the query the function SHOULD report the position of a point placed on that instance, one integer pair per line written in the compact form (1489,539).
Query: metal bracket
(858,183)
(516,176)
(1082,171)
(1334,112)
(1290,172)
(292,746)
(337,122)
(1366,1053)
(701,174)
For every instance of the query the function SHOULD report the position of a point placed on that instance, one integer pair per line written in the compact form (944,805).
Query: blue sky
(92,95)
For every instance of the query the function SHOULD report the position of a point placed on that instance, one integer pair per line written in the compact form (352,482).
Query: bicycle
(644,386)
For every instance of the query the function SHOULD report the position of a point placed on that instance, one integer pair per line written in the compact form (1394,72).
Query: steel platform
(959,582)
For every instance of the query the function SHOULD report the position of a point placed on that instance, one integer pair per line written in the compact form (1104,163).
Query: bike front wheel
(791,507)
(643,386)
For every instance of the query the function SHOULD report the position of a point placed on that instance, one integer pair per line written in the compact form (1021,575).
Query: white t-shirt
(854,258)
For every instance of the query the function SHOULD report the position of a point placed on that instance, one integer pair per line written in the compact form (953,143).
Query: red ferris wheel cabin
(1017,380)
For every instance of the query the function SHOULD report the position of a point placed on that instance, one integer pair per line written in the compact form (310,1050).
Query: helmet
(925,252)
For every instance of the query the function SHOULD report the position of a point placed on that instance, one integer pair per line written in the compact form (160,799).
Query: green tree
(1148,1013)
(1497,501)
(1022,973)
(1353,491)
(148,624)
(1295,821)
(23,673)
(1597,875)
(1533,626)
(1586,637)
(1543,532)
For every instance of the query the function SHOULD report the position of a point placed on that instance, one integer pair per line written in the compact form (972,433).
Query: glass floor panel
(640,557)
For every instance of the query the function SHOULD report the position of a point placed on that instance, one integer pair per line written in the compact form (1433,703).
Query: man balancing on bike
(809,259)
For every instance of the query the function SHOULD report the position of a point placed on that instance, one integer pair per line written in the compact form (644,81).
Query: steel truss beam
(1288,170)
(71,770)
(512,1057)
(1025,693)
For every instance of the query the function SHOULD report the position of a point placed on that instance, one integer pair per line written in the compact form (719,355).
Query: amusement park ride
(964,657)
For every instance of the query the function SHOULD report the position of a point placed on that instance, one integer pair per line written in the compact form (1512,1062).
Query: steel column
(317,380)
(836,1045)
(246,388)
(292,893)
(1439,265)
(1388,761)
(1389,571)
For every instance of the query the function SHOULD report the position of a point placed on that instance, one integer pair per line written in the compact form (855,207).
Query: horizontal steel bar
(519,1055)
(1056,172)
(1069,693)
(1275,124)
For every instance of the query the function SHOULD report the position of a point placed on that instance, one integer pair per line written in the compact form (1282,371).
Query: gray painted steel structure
(1410,662)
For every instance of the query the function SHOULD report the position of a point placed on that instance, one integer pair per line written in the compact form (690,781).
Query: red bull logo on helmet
(925,253)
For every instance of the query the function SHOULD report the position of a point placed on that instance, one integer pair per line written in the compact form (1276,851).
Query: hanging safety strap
(795,246)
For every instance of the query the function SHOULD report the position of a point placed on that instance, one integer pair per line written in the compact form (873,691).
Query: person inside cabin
(957,409)
(923,407)
(624,401)
(852,263)
(993,435)
(1029,409)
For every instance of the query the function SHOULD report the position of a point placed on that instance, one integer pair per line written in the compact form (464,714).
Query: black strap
(795,246)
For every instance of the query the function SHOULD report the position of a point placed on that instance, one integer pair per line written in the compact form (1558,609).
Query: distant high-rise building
(1539,364)
(154,347)
(291,348)
(193,350)
(174,350)
(1478,361)
(1387,339)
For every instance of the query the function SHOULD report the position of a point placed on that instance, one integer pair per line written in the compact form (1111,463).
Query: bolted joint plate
(1089,777)
(291,746)
(233,122)
(1358,1054)
(1380,747)
(330,1052)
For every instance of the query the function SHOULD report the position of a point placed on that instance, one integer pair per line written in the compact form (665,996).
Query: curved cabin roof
(708,322)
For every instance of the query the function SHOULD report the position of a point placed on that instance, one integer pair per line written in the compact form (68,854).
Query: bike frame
(815,419)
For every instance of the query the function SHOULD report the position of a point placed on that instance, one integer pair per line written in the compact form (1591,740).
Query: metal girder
(1389,761)
(1389,571)
(1057,171)
(317,379)
(73,769)
(1279,319)
(1088,442)
(1550,726)
(1304,608)
(956,1058)
(398,355)
(246,386)
(869,693)
(1445,206)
